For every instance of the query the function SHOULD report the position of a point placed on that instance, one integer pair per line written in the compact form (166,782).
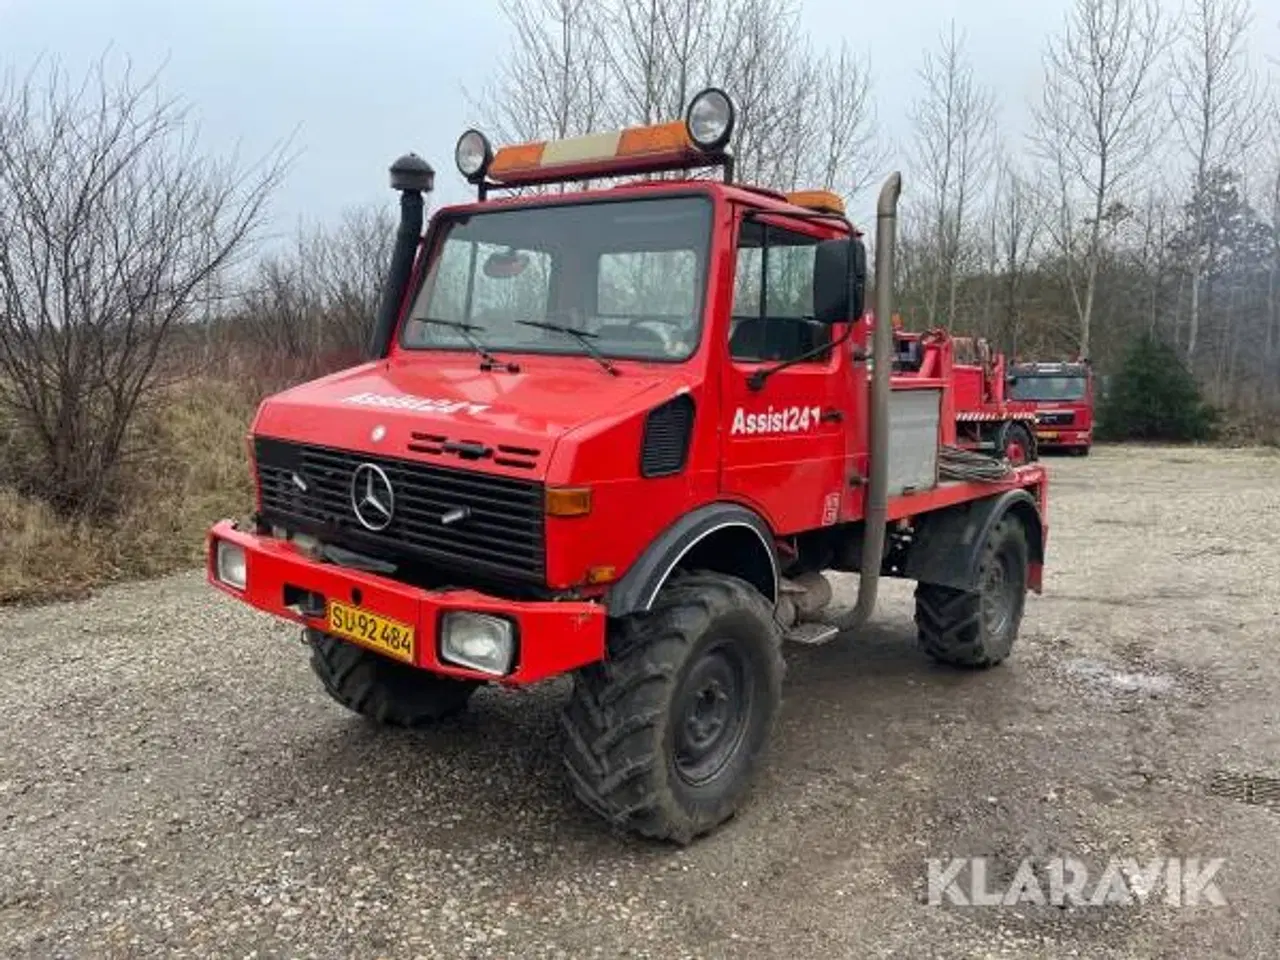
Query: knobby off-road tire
(977,629)
(381,689)
(664,738)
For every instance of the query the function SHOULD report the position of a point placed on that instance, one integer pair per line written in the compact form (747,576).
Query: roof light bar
(700,140)
(822,201)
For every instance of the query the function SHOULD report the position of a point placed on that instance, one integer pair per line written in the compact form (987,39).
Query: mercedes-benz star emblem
(372,498)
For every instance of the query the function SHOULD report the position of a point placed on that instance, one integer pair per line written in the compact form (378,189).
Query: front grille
(1064,419)
(308,488)
(437,444)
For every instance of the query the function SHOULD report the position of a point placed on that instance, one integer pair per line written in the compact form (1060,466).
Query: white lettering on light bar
(422,404)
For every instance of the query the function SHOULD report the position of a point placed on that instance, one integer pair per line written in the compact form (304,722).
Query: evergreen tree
(1154,397)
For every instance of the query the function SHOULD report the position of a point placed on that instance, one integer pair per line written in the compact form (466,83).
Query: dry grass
(195,472)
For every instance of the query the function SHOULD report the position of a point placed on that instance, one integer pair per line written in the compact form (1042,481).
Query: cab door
(784,436)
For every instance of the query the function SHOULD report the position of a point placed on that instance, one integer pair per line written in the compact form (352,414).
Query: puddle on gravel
(1121,680)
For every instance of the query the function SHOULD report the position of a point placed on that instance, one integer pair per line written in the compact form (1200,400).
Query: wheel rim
(999,595)
(712,709)
(1015,451)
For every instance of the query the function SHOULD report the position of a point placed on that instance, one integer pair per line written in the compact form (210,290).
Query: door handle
(832,415)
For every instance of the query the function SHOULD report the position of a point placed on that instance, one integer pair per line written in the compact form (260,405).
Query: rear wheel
(381,689)
(664,738)
(978,628)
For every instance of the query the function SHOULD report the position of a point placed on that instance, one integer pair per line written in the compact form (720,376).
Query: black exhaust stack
(413,177)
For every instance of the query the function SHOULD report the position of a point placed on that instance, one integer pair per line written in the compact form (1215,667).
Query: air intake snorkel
(412,177)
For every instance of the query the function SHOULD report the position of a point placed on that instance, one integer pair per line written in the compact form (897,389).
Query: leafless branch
(1096,124)
(112,227)
(953,122)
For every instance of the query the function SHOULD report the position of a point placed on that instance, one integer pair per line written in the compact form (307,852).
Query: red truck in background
(986,418)
(1063,394)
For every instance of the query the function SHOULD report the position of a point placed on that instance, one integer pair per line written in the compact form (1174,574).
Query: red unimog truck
(619,433)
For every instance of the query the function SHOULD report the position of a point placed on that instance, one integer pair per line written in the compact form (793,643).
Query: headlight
(473,155)
(478,641)
(710,119)
(229,565)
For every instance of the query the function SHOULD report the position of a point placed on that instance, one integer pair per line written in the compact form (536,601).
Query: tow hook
(303,603)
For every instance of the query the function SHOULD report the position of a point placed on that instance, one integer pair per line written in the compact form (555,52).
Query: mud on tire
(381,689)
(664,737)
(977,629)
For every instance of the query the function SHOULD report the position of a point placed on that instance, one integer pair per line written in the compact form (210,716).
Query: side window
(773,297)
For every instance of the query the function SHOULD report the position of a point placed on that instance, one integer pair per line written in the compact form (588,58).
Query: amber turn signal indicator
(568,501)
(602,574)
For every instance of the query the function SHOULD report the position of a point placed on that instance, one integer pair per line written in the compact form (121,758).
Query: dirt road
(173,782)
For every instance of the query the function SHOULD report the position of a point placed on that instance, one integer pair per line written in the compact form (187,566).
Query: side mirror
(839,280)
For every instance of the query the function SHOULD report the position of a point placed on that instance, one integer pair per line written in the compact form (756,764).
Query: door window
(773,297)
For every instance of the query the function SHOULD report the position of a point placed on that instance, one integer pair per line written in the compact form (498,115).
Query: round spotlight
(710,119)
(473,155)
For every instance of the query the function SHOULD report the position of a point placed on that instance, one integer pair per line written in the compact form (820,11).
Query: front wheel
(1017,445)
(664,738)
(377,687)
(977,628)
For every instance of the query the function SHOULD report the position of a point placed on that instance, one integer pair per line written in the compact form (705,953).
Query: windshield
(629,275)
(1047,388)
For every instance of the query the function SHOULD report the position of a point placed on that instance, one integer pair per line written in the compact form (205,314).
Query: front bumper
(552,637)
(1057,437)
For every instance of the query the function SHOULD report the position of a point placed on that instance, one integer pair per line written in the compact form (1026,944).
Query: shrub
(1154,397)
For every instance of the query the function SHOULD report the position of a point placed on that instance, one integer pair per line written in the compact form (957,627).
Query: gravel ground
(173,782)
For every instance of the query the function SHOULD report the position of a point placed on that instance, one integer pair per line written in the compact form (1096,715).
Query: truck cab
(619,432)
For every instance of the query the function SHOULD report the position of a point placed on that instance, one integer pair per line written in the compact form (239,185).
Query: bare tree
(1157,224)
(1018,218)
(804,117)
(111,228)
(1273,274)
(954,127)
(315,301)
(1216,107)
(351,260)
(554,83)
(1096,125)
(843,118)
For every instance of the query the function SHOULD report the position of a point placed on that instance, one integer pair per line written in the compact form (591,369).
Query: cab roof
(760,198)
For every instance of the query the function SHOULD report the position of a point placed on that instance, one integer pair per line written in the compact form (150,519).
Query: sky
(351,85)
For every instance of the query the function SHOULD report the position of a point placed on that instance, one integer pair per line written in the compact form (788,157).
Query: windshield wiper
(488,361)
(582,336)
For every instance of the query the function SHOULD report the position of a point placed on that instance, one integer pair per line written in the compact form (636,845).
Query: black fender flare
(947,547)
(636,591)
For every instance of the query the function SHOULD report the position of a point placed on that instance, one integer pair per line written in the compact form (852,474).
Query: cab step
(811,634)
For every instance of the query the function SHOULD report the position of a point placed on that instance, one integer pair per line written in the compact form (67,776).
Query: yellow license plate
(391,637)
(1047,434)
